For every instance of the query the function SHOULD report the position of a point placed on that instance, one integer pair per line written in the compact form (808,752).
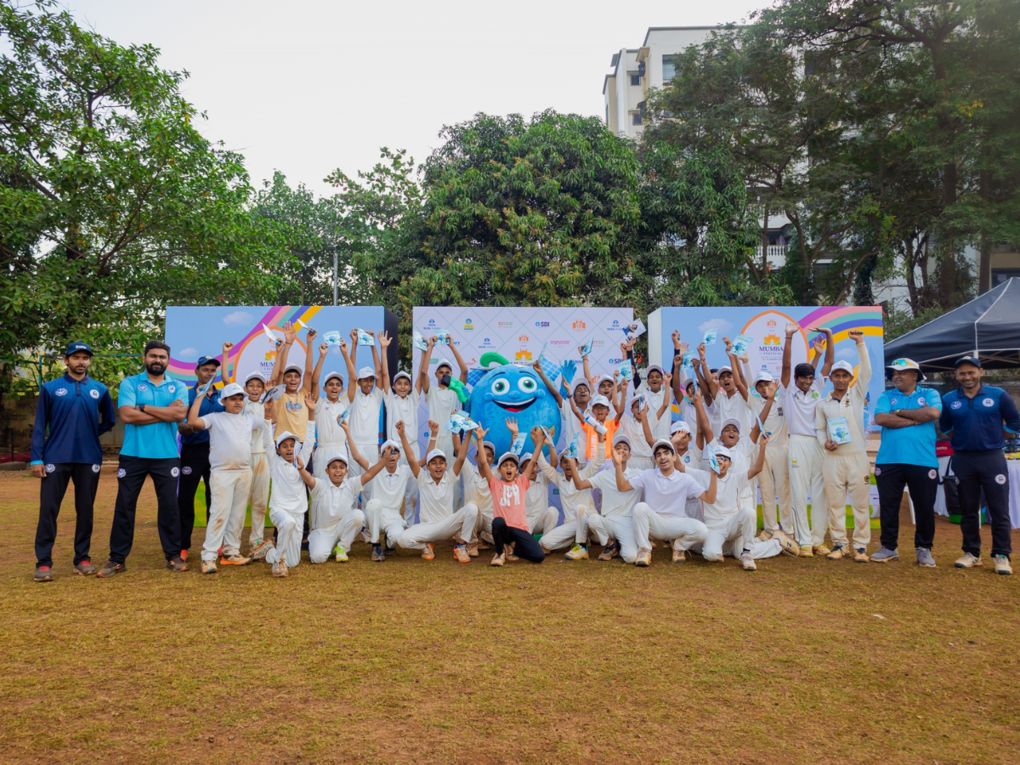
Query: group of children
(639,476)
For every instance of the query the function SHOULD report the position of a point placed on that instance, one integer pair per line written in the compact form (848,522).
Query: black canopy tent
(987,327)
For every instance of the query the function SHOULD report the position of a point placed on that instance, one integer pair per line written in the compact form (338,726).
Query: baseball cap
(433,454)
(508,456)
(846,366)
(255,376)
(905,365)
(968,360)
(679,426)
(663,442)
(203,360)
(78,346)
(604,378)
(621,438)
(365,373)
(730,421)
(763,377)
(724,368)
(284,436)
(341,456)
(526,456)
(490,445)
(389,442)
(231,389)
(398,375)
(292,368)
(600,400)
(331,375)
(722,451)
(653,368)
(444,363)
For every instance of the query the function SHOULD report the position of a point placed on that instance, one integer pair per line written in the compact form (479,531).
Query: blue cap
(968,360)
(203,360)
(76,346)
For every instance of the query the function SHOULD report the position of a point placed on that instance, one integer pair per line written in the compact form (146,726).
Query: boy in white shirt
(258,496)
(440,397)
(663,514)
(402,401)
(230,433)
(581,396)
(576,504)
(331,439)
(727,403)
(336,498)
(476,491)
(616,520)
(288,502)
(639,422)
(774,478)
(366,399)
(439,522)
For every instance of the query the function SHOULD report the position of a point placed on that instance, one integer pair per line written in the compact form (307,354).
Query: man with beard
(150,404)
(77,410)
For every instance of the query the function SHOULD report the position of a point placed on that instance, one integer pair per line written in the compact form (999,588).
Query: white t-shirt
(727,495)
(402,409)
(799,408)
(258,411)
(442,403)
(635,431)
(326,412)
(436,499)
(775,423)
(570,495)
(364,417)
(476,489)
(331,502)
(569,424)
(741,451)
(230,438)
(389,487)
(659,426)
(616,503)
(288,492)
(667,495)
(730,407)
(537,497)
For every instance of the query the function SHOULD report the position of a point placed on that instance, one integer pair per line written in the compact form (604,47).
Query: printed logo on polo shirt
(878,471)
(999,479)
(187,470)
(932,474)
(94,393)
(921,401)
(50,468)
(143,386)
(171,388)
(957,404)
(174,472)
(988,402)
(61,391)
(893,402)
(96,468)
(121,473)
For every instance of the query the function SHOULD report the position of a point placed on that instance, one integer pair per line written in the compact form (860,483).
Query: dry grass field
(803,661)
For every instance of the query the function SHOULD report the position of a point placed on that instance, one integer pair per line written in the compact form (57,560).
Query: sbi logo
(615,361)
(541,324)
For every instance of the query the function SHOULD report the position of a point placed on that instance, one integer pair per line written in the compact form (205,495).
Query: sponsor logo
(559,342)
(50,468)
(143,386)
(61,391)
(432,322)
(174,472)
(523,355)
(921,401)
(171,389)
(616,323)
(469,326)
(771,338)
(487,343)
(615,361)
(999,479)
(578,325)
(94,393)
(541,324)
(186,470)
(505,324)
(271,356)
(96,468)
(932,474)
(599,344)
(893,402)
(523,338)
(988,402)
(121,473)
(957,404)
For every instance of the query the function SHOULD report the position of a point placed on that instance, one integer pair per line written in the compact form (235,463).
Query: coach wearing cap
(974,415)
(195,451)
(76,410)
(906,456)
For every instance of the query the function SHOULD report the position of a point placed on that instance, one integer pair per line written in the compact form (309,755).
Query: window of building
(668,68)
(635,79)
(1000,275)
(635,118)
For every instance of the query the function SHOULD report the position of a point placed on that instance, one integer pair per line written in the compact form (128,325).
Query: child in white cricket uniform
(476,491)
(576,504)
(366,399)
(402,401)
(442,400)
(616,521)
(258,496)
(288,502)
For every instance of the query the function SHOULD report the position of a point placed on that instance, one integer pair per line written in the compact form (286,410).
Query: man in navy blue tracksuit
(76,410)
(975,416)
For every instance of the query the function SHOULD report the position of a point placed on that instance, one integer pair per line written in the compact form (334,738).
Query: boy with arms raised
(440,397)
(402,401)
(292,413)
(476,491)
(581,397)
(366,399)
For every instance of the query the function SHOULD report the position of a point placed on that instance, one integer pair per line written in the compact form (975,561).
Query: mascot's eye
(501,386)
(527,385)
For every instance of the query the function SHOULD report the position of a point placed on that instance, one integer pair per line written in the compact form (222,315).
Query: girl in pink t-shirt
(510,514)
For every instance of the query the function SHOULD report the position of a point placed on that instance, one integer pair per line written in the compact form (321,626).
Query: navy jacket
(76,414)
(976,424)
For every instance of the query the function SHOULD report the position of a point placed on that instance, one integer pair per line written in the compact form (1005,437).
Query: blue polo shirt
(976,424)
(158,440)
(913,445)
(77,412)
(208,406)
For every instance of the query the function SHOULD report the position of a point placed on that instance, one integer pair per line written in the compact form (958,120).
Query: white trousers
(384,522)
(847,474)
(411,489)
(460,526)
(483,527)
(289,528)
(648,525)
(230,489)
(342,531)
(806,473)
(613,527)
(258,497)
(738,530)
(536,517)
(774,481)
(570,531)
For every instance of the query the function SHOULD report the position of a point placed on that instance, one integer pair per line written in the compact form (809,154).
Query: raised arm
(483,467)
(667,380)
(642,417)
(830,349)
(194,422)
(225,373)
(620,397)
(376,365)
(705,377)
(622,484)
(552,389)
(282,351)
(791,330)
(584,364)
(460,361)
(353,447)
(306,379)
(306,477)
(462,452)
(422,383)
(412,463)
(317,372)
(738,373)
(538,439)
(705,434)
(573,406)
(384,343)
(554,459)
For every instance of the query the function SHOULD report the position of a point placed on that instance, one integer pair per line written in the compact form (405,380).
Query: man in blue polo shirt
(195,452)
(77,410)
(906,456)
(975,416)
(150,404)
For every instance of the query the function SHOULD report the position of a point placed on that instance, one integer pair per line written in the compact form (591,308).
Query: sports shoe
(235,560)
(177,565)
(969,561)
(508,552)
(377,553)
(884,555)
(838,553)
(184,554)
(428,553)
(85,568)
(43,574)
(111,569)
(924,559)
(461,554)
(861,555)
(365,536)
(787,544)
(747,562)
(577,552)
(390,551)
(498,559)
(209,567)
(340,554)
(765,535)
(821,550)
(472,549)
(610,551)
(1002,565)
(280,567)
(482,545)
(260,549)
(679,556)
(644,557)
(806,551)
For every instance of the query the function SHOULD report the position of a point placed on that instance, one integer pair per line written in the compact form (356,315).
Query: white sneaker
(644,557)
(747,561)
(340,554)
(968,561)
(1002,565)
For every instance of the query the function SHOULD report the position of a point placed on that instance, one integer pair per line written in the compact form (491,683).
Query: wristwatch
(141,408)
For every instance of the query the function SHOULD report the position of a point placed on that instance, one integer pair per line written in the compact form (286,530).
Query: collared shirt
(230,439)
(667,494)
(327,432)
(730,407)
(616,503)
(976,424)
(727,495)
(659,426)
(442,403)
(157,440)
(799,407)
(333,503)
(851,406)
(209,405)
(570,496)
(364,417)
(775,423)
(402,410)
(435,499)
(77,413)
(476,489)
(388,487)
(288,492)
(258,411)
(914,444)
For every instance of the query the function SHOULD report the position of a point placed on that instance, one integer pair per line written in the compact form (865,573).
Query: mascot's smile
(514,406)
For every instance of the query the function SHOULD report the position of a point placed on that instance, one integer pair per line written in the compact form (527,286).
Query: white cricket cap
(605,378)
(679,427)
(846,366)
(763,377)
(722,451)
(337,456)
(255,376)
(366,373)
(724,368)
(731,421)
(398,375)
(600,400)
(293,368)
(433,454)
(331,375)
(444,363)
(388,443)
(631,401)
(526,456)
(231,389)
(653,368)
(489,445)
(621,438)
(284,436)
(665,442)
(508,456)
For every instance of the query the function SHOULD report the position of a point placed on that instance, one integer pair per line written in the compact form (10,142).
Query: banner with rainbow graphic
(194,331)
(767,326)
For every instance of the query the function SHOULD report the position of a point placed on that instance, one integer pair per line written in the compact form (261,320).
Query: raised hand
(856,335)
(385,340)
(677,345)
(323,348)
(818,344)
(728,343)
(792,328)
(354,336)
(226,348)
(683,348)
(299,462)
(400,427)
(667,378)
(311,335)
(480,434)
(537,434)
(289,333)
(580,350)
(537,366)
(434,427)
(701,349)
(511,424)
